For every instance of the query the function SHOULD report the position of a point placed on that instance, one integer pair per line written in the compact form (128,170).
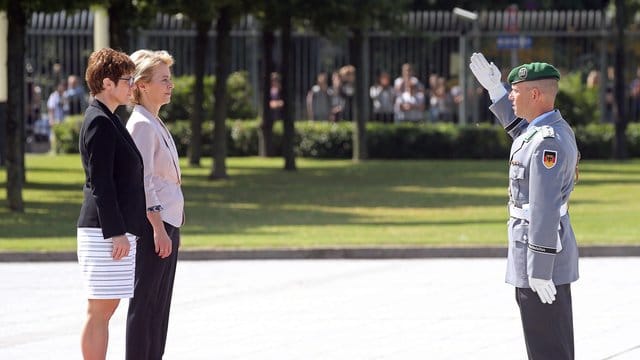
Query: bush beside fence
(384,141)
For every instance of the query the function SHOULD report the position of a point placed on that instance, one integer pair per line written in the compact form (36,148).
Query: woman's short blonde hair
(146,61)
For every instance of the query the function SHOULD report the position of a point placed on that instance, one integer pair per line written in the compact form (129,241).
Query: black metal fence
(434,42)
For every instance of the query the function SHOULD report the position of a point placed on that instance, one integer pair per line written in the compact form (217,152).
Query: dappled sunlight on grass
(330,203)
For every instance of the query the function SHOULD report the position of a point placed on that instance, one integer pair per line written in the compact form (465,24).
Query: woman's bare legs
(95,334)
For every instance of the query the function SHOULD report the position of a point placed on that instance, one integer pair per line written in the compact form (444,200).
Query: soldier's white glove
(545,289)
(488,76)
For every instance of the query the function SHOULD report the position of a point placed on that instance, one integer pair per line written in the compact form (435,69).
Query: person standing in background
(275,97)
(383,97)
(338,101)
(74,97)
(347,90)
(319,99)
(410,104)
(55,104)
(407,77)
(157,253)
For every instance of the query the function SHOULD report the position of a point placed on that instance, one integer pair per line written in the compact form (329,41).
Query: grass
(332,203)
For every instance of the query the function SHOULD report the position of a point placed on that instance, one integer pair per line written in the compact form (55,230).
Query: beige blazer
(162,176)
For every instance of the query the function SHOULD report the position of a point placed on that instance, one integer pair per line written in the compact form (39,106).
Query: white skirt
(105,278)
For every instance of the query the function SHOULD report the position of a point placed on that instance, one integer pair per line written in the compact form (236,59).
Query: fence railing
(59,44)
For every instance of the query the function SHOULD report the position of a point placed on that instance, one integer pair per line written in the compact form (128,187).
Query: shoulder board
(531,134)
(548,132)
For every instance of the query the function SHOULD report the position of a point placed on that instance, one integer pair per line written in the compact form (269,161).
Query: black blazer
(114,197)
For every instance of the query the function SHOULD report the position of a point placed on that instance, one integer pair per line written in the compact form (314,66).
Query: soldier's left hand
(545,289)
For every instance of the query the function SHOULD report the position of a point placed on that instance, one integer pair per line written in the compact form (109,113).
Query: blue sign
(514,42)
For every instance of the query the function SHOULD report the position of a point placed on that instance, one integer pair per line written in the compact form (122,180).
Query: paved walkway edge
(333,253)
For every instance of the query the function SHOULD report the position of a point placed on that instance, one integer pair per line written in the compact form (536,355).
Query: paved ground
(327,309)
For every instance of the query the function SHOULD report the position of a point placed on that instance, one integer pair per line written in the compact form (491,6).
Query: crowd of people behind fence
(406,99)
(67,98)
(331,98)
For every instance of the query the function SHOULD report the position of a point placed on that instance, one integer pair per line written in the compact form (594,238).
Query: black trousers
(548,328)
(148,316)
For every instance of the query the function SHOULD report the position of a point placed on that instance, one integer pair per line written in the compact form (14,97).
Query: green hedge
(403,141)
(384,141)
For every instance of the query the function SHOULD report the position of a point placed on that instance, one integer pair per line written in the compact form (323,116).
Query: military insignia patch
(549,158)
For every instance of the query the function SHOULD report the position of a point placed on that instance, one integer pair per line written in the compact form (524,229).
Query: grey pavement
(327,309)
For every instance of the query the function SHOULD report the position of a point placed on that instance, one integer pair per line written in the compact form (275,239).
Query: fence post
(604,76)
(100,27)
(474,94)
(462,109)
(3,84)
(466,15)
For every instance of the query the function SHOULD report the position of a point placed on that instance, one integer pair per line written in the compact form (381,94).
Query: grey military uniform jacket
(541,177)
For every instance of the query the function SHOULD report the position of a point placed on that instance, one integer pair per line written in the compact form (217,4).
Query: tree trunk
(199,61)
(17,31)
(120,22)
(619,141)
(288,152)
(357,57)
(266,126)
(120,14)
(223,66)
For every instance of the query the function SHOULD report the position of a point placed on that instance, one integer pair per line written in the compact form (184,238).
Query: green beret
(533,71)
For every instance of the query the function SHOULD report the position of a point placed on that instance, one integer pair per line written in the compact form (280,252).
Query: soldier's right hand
(488,76)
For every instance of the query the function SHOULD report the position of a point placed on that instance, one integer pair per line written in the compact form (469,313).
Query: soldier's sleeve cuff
(513,124)
(542,249)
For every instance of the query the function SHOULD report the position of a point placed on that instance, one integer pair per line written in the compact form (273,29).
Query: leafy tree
(202,13)
(18,15)
(228,11)
(125,18)
(279,14)
(288,152)
(267,12)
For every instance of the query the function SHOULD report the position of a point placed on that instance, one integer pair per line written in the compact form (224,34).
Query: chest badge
(549,158)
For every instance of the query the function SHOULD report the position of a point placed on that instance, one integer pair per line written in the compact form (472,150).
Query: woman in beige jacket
(148,316)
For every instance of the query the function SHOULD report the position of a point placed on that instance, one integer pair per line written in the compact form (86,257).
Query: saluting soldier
(542,259)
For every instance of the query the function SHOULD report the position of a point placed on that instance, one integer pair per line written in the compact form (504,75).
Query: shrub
(323,140)
(595,141)
(633,139)
(181,106)
(67,134)
(577,103)
(411,141)
(240,92)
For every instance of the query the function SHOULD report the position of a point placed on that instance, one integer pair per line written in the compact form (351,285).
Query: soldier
(543,254)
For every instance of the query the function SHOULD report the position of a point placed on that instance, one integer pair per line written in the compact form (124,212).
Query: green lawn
(329,203)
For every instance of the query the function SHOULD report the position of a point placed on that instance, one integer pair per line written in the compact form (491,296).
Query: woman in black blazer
(113,212)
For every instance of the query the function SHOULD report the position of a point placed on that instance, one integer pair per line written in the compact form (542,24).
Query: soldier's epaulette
(548,132)
(531,134)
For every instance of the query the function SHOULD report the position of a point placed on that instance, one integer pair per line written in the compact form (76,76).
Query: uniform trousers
(148,316)
(548,328)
